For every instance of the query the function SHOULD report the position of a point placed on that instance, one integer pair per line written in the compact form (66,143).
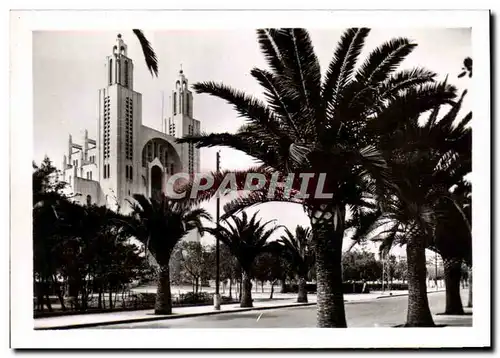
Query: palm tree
(246,239)
(297,250)
(426,162)
(325,125)
(160,224)
(453,241)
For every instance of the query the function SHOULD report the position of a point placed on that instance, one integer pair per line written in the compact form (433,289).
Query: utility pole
(217,248)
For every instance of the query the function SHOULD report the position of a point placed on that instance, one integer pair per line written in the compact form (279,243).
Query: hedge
(351,287)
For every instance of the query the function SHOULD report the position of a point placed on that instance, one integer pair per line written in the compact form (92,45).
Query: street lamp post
(436,269)
(383,272)
(217,250)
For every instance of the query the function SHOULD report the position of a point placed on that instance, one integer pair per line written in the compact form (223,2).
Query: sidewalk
(261,302)
(95,319)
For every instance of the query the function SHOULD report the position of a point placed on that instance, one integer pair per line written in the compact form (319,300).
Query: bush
(350,287)
(294,288)
(394,286)
(192,297)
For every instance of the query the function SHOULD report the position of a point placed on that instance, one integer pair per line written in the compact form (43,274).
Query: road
(384,312)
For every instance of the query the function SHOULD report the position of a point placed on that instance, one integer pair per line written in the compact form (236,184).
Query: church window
(90,175)
(175,103)
(109,174)
(131,176)
(150,153)
(126,73)
(106,171)
(110,71)
(118,71)
(187,104)
(126,171)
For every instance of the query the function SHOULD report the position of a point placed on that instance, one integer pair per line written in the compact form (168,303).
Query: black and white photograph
(250,179)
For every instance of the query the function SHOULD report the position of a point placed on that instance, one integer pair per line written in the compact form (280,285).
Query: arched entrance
(165,152)
(160,160)
(156,181)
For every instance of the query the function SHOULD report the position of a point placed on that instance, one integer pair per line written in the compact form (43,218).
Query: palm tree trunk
(302,296)
(163,302)
(419,314)
(230,288)
(452,273)
(469,303)
(327,224)
(246,293)
(330,298)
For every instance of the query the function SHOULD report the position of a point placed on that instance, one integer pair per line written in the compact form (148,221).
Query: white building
(128,157)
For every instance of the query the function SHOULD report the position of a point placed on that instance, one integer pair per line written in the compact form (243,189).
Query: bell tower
(182,123)
(120,118)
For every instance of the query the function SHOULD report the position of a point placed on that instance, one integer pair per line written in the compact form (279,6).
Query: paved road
(375,313)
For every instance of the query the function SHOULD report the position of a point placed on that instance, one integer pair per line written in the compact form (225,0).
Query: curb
(168,317)
(406,294)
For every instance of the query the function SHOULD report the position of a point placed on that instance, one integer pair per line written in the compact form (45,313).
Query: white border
(23,335)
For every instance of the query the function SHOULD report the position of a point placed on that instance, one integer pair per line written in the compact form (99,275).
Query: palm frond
(382,61)
(342,65)
(149,53)
(270,49)
(248,107)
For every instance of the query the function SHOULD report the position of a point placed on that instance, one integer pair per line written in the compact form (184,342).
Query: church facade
(128,157)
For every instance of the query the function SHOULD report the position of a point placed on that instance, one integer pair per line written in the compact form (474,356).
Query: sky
(68,71)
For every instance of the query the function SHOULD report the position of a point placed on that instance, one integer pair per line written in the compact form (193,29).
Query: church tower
(119,128)
(182,123)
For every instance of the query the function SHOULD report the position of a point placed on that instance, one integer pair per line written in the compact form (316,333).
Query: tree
(297,250)
(313,125)
(361,266)
(426,161)
(47,193)
(453,241)
(160,223)
(246,239)
(196,262)
(268,267)
(467,68)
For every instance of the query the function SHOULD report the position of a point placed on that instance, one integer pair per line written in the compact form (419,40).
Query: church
(128,157)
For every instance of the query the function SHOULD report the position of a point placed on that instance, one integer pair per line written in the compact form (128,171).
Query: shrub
(394,286)
(192,297)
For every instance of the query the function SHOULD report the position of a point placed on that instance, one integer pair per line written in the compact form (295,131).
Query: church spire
(120,46)
(119,66)
(182,96)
